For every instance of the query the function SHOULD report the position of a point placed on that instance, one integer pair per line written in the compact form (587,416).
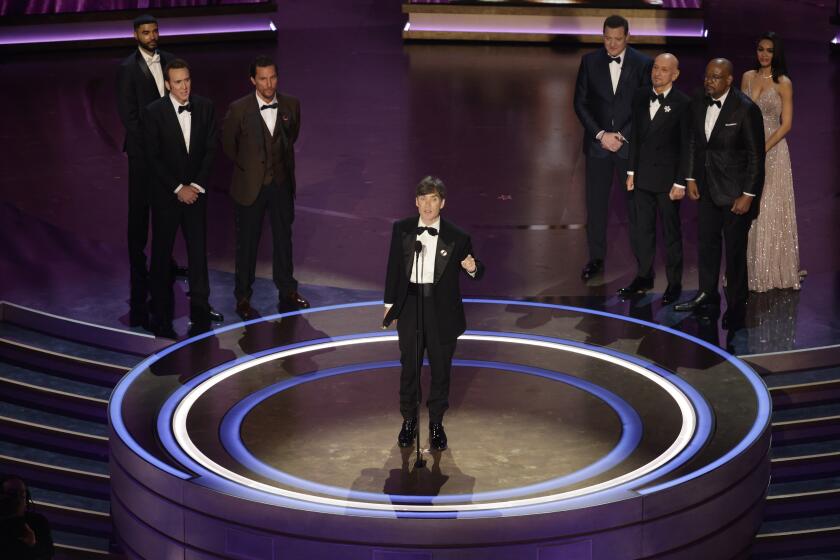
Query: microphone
(418,246)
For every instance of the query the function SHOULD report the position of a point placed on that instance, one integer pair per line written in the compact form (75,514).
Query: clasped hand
(188,194)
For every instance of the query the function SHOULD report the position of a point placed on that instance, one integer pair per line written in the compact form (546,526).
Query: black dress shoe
(437,437)
(592,268)
(244,309)
(702,303)
(638,286)
(672,293)
(407,433)
(164,331)
(215,316)
(292,300)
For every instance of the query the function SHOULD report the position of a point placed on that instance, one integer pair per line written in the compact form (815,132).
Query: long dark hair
(778,66)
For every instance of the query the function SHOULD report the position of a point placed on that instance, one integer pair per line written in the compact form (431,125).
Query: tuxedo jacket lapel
(409,237)
(726,111)
(174,126)
(445,247)
(659,117)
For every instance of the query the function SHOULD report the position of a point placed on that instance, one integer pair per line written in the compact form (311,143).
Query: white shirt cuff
(749,194)
(389,305)
(677,185)
(631,173)
(599,135)
(689,179)
(199,187)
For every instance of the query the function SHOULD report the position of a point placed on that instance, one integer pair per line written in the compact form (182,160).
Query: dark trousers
(599,180)
(440,360)
(138,230)
(167,217)
(276,201)
(647,205)
(719,228)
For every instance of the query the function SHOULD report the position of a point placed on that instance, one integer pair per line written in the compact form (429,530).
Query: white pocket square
(730,124)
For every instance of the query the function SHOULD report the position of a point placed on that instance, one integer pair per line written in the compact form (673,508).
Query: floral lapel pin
(667,108)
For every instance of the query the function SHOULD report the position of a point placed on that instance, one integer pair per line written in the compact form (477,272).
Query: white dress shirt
(153,62)
(269,116)
(427,256)
(712,114)
(615,74)
(185,121)
(615,69)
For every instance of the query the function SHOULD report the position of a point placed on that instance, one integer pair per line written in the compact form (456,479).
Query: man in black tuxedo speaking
(656,173)
(444,252)
(139,82)
(180,136)
(606,81)
(726,173)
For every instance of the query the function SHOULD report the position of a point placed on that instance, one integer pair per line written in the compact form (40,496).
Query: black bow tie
(710,101)
(660,97)
(616,59)
(187,108)
(271,106)
(430,230)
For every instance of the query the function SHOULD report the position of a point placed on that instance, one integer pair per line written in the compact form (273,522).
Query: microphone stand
(418,341)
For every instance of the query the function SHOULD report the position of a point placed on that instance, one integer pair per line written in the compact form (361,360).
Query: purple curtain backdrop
(37,7)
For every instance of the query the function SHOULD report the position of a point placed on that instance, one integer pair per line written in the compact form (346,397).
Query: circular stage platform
(573,434)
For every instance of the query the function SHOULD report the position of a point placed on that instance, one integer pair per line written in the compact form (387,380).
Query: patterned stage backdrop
(38,7)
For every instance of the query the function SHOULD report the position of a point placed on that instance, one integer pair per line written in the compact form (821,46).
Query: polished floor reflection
(495,121)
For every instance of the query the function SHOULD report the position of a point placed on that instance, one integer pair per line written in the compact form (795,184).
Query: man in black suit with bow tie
(259,135)
(139,82)
(445,252)
(180,137)
(606,82)
(726,173)
(656,174)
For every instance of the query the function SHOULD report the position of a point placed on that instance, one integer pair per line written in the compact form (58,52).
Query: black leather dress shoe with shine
(437,437)
(407,433)
(638,286)
(701,303)
(592,268)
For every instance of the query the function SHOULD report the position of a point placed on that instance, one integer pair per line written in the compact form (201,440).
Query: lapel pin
(443,252)
(667,108)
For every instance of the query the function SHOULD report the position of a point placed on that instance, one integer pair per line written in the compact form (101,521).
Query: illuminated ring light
(204,383)
(631,434)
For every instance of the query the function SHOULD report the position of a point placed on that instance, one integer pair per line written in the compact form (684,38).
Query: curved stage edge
(574,434)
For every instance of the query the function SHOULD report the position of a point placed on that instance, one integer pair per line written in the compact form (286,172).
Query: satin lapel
(700,123)
(172,123)
(604,71)
(445,247)
(659,118)
(726,111)
(626,68)
(279,129)
(144,68)
(408,239)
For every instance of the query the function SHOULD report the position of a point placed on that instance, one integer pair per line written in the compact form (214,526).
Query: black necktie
(616,59)
(710,101)
(655,97)
(271,106)
(187,108)
(430,230)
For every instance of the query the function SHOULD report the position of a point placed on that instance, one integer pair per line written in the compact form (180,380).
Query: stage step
(55,471)
(819,496)
(805,460)
(26,355)
(66,345)
(76,546)
(776,539)
(72,512)
(820,386)
(53,432)
(35,389)
(806,423)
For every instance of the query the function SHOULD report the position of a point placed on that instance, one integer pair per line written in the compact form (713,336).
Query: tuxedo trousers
(275,200)
(139,176)
(167,218)
(439,355)
(648,205)
(600,175)
(719,228)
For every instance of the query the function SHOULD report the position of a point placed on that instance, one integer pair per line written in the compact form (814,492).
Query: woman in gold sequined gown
(773,245)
